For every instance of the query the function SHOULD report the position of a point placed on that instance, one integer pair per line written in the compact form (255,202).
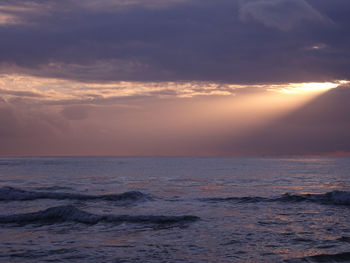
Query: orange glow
(58,89)
(306,88)
(134,118)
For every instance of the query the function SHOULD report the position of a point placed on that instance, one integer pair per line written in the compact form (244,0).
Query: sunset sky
(174,77)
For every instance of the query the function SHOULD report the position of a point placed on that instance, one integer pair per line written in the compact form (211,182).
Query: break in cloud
(48,116)
(318,127)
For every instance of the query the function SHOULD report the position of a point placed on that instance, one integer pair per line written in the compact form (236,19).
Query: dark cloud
(282,14)
(178,40)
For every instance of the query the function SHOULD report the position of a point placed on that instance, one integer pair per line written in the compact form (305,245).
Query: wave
(335,198)
(246,199)
(70,213)
(14,194)
(341,257)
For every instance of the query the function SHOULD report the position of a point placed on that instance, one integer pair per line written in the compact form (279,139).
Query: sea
(174,209)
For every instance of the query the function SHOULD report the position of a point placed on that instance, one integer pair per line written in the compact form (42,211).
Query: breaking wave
(70,213)
(14,194)
(334,197)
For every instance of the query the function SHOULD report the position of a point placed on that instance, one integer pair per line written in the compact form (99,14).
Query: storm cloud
(190,40)
(282,14)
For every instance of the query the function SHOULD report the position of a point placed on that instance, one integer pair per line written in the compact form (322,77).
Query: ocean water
(159,209)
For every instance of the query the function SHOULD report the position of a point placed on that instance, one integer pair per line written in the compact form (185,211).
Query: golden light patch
(306,88)
(50,89)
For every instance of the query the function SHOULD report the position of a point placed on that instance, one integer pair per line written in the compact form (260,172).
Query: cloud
(19,93)
(281,14)
(36,90)
(193,40)
(109,5)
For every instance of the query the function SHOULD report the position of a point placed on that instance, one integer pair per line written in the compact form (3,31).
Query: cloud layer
(255,41)
(282,14)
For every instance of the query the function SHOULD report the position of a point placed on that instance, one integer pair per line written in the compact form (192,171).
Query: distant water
(108,209)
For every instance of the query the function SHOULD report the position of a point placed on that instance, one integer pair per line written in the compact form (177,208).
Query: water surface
(158,209)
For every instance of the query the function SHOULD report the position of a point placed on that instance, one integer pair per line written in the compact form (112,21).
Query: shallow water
(108,209)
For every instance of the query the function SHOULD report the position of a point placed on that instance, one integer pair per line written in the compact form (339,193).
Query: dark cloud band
(224,41)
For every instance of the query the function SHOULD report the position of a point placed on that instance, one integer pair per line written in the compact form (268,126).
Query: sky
(174,77)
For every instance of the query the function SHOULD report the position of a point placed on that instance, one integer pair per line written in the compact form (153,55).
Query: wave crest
(340,257)
(8,193)
(70,213)
(335,198)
